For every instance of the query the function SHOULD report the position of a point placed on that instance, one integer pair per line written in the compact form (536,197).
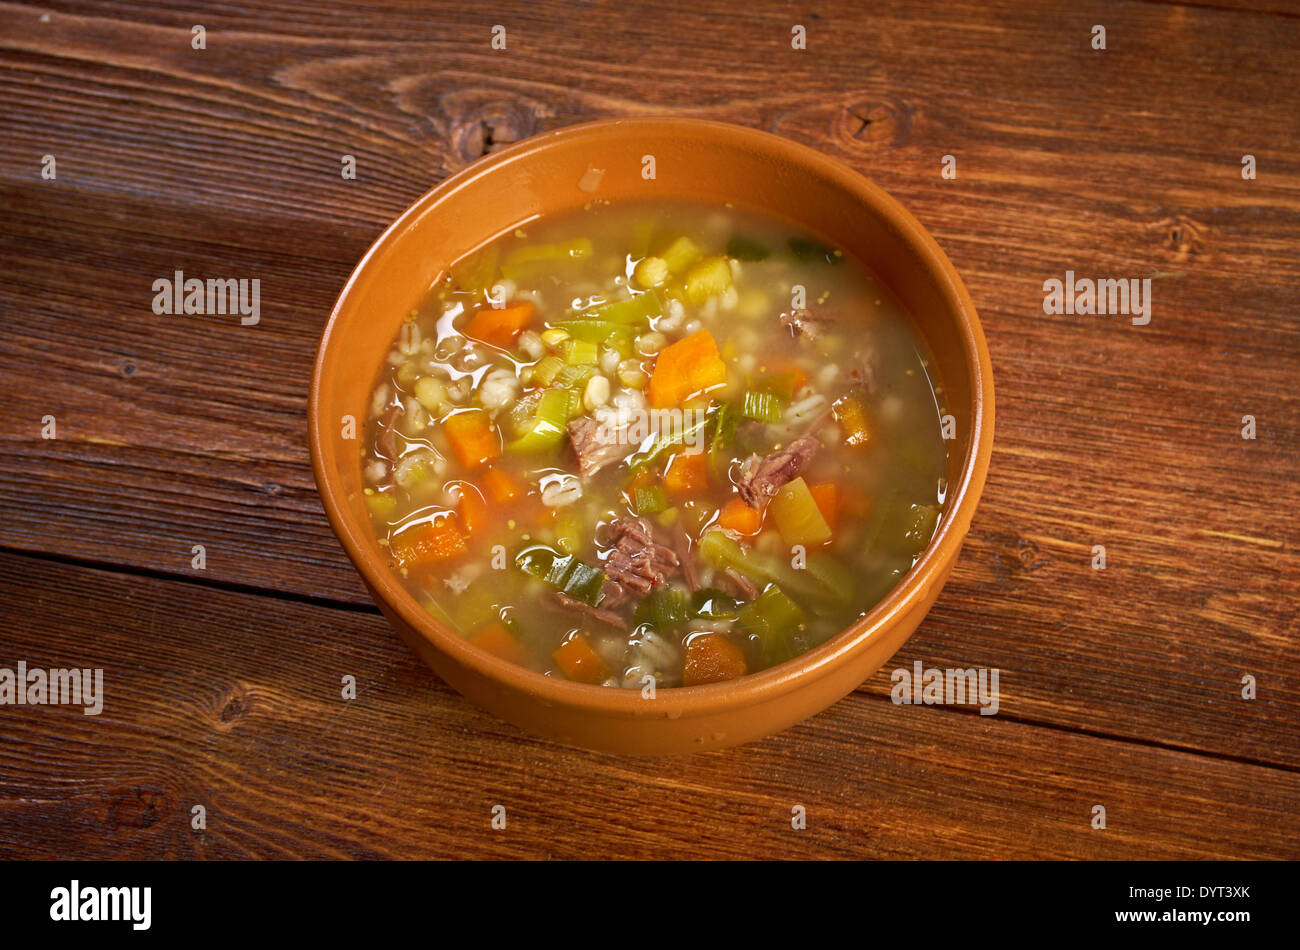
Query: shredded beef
(595,445)
(636,562)
(599,613)
(686,557)
(739,584)
(761,477)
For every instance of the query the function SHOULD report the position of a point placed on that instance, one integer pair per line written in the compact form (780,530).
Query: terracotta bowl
(694,159)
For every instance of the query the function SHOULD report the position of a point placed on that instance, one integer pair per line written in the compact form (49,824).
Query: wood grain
(284,767)
(176,431)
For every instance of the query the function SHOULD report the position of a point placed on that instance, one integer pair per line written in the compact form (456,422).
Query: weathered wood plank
(283,767)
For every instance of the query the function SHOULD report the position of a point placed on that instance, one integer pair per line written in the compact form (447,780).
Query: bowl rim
(753,688)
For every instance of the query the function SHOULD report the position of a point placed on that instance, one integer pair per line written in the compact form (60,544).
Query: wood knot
(871,123)
(1181,237)
(140,806)
(1027,555)
(235,705)
(495,127)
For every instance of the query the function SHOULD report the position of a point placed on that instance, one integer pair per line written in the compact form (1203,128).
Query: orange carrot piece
(739,517)
(827,496)
(502,487)
(690,366)
(852,418)
(712,658)
(499,641)
(473,509)
(429,542)
(473,437)
(579,662)
(687,473)
(500,327)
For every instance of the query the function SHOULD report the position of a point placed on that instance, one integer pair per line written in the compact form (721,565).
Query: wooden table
(1120,687)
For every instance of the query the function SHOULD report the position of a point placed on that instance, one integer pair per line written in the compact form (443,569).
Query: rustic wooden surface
(1119,687)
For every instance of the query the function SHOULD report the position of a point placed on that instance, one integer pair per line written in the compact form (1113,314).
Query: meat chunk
(636,562)
(803,323)
(596,613)
(737,583)
(761,477)
(595,445)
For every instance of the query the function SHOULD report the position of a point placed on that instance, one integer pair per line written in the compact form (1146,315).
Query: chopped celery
(681,254)
(572,377)
(724,431)
(744,248)
(524,261)
(564,572)
(670,438)
(797,516)
(546,368)
(548,428)
(707,279)
(650,500)
(824,580)
(763,405)
(775,619)
(618,335)
(638,309)
(664,609)
(582,353)
(723,552)
(808,251)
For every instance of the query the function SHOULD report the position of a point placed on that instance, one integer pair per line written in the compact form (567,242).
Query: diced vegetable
(739,517)
(546,369)
(744,248)
(681,254)
(431,393)
(473,437)
(667,439)
(664,609)
(473,509)
(687,474)
(775,619)
(501,327)
(686,368)
(634,310)
(808,251)
(762,404)
(501,486)
(523,261)
(477,271)
(827,496)
(723,552)
(713,604)
(579,662)
(382,505)
(582,353)
(500,642)
(707,279)
(619,336)
(562,571)
(650,500)
(568,533)
(429,542)
(712,658)
(548,428)
(902,527)
(797,517)
(651,272)
(851,415)
(723,421)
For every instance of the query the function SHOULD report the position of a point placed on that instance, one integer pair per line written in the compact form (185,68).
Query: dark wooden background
(1120,687)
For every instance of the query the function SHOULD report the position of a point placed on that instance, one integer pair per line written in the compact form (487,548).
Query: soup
(654,446)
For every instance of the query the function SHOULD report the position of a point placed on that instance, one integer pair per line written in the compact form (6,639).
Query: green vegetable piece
(546,369)
(549,425)
(744,248)
(650,500)
(638,309)
(529,259)
(809,251)
(713,604)
(775,619)
(763,405)
(664,609)
(582,353)
(564,572)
